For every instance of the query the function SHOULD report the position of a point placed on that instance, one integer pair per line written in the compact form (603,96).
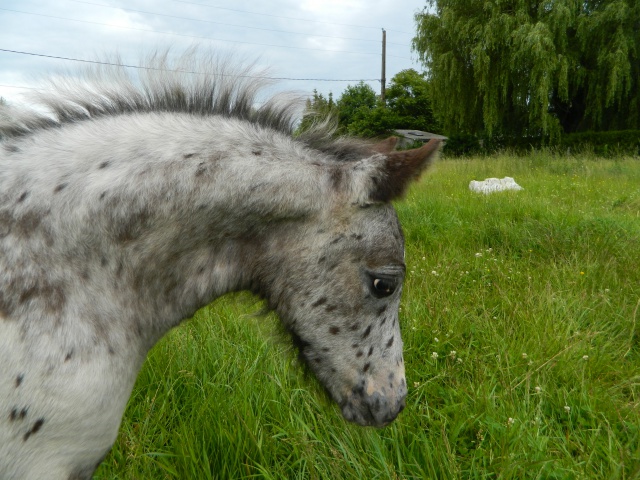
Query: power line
(286,18)
(188,36)
(140,67)
(16,86)
(226,24)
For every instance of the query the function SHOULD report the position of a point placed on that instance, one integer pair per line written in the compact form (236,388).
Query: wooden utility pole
(383,80)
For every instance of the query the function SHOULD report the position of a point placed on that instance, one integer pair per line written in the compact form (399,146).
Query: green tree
(359,111)
(530,68)
(373,122)
(407,105)
(355,103)
(408,97)
(317,109)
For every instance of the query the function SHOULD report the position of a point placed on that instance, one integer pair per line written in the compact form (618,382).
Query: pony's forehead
(377,228)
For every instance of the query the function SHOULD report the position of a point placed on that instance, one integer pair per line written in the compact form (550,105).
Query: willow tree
(532,67)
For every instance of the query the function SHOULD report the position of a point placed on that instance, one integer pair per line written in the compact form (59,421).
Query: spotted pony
(141,197)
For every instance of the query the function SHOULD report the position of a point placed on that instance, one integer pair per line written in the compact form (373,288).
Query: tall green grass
(522,347)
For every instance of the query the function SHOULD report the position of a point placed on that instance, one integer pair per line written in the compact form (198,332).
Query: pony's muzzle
(377,409)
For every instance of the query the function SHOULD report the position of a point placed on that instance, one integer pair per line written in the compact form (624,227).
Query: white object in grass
(491,185)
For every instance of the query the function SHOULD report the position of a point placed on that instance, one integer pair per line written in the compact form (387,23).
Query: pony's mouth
(373,410)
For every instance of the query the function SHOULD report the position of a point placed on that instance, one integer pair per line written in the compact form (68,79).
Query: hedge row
(606,144)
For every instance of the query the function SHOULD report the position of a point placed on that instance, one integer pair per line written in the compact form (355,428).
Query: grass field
(520,317)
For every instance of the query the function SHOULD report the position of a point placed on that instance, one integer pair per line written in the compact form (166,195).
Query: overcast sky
(298,39)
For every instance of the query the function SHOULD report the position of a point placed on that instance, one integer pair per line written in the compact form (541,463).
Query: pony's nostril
(381,409)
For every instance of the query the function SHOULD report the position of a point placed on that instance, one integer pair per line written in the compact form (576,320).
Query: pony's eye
(383,287)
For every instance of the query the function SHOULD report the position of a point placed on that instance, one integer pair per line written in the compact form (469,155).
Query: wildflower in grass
(459,360)
(510,422)
(416,384)
(434,355)
(581,273)
(524,356)
(433,272)
(435,339)
(478,254)
(538,389)
(453,354)
(567,408)
(585,357)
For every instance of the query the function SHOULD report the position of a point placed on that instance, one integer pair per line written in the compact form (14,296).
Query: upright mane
(194,83)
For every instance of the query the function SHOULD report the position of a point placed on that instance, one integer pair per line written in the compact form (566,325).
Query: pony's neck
(183,215)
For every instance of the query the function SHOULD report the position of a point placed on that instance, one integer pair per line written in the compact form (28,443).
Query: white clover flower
(433,272)
(567,408)
(585,357)
(434,355)
(416,384)
(524,356)
(538,389)
(459,360)
(453,353)
(478,254)
(435,339)
(510,422)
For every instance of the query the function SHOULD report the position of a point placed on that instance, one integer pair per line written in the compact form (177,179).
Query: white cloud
(293,37)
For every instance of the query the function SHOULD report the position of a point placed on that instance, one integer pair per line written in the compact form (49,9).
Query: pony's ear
(386,146)
(399,169)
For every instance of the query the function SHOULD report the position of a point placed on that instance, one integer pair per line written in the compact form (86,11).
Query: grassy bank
(522,346)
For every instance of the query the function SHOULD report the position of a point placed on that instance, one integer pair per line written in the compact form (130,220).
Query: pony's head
(336,281)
